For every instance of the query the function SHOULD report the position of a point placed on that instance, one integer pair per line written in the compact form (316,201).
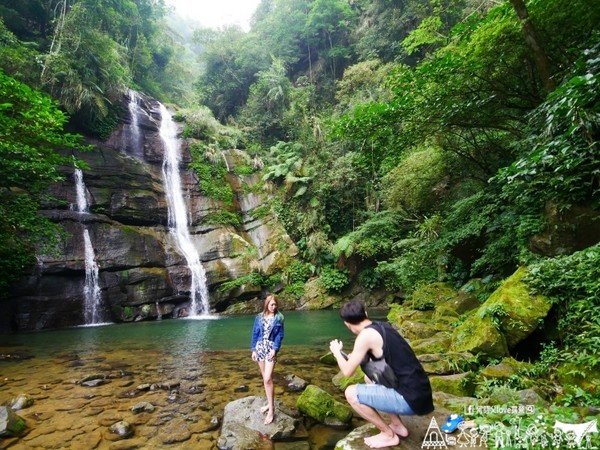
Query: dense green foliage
(87,53)
(31,133)
(405,142)
(573,282)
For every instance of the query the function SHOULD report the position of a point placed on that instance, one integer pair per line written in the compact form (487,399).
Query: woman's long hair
(265,310)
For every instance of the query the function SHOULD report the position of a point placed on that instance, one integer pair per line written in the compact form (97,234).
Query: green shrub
(573,283)
(210,168)
(243,170)
(333,279)
(252,279)
(410,184)
(298,271)
(223,217)
(369,278)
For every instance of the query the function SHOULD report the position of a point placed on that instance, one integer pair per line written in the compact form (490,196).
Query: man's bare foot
(269,418)
(382,440)
(264,409)
(400,430)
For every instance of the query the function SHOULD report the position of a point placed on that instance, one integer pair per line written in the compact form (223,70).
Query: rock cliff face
(141,272)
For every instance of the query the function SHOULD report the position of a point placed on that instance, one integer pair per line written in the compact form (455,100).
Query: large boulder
(507,317)
(518,311)
(316,296)
(243,425)
(479,334)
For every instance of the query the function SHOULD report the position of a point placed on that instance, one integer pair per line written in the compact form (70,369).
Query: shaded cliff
(142,273)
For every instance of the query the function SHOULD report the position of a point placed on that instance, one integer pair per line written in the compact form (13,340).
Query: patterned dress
(264,346)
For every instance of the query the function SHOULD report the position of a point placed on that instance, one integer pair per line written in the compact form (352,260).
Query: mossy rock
(460,384)
(571,375)
(430,295)
(479,335)
(342,382)
(439,343)
(447,363)
(507,396)
(412,324)
(328,359)
(323,407)
(461,303)
(445,315)
(316,297)
(505,369)
(518,311)
(453,402)
(355,439)
(398,314)
(477,288)
(414,330)
(247,307)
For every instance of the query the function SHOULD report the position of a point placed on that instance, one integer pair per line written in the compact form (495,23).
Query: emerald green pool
(212,354)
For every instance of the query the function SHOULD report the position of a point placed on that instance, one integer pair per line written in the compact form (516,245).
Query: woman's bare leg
(267,374)
(261,365)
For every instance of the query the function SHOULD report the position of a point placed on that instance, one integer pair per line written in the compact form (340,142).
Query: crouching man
(410,393)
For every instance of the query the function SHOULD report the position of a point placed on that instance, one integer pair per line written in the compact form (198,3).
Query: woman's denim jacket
(276,335)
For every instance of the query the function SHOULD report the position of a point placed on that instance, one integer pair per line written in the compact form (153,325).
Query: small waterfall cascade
(91,290)
(134,135)
(158,313)
(226,162)
(178,216)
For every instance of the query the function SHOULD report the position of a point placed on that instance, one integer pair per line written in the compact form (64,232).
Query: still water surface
(312,328)
(208,359)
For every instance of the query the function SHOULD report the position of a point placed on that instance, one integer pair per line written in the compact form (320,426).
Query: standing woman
(267,335)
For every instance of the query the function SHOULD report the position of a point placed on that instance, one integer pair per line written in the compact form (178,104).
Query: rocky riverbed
(139,398)
(72,410)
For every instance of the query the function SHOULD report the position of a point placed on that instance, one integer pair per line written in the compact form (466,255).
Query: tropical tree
(263,113)
(230,62)
(31,133)
(328,25)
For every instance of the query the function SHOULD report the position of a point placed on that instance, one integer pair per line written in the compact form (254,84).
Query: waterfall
(134,137)
(178,220)
(158,313)
(91,290)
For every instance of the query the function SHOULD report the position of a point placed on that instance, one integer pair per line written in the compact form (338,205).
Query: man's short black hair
(353,312)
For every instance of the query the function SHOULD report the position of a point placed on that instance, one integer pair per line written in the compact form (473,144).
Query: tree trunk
(539,56)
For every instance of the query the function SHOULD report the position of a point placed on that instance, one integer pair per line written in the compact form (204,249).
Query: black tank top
(413,382)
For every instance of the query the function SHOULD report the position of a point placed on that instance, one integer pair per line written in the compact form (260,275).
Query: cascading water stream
(134,136)
(91,290)
(178,220)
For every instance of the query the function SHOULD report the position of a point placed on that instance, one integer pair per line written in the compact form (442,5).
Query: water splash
(178,220)
(91,289)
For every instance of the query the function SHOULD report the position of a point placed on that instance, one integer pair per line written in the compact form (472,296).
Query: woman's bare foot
(269,418)
(382,440)
(264,409)
(399,429)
